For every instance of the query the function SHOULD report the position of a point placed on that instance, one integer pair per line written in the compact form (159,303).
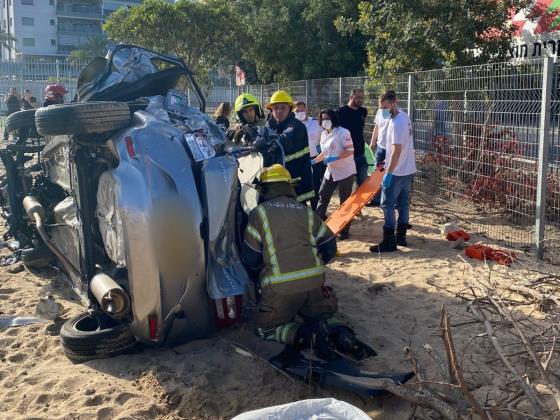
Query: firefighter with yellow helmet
(288,245)
(251,117)
(292,137)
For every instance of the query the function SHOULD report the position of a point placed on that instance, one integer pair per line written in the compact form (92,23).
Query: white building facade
(53,28)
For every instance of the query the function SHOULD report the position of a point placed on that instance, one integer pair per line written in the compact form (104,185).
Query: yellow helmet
(275,173)
(280,97)
(245,100)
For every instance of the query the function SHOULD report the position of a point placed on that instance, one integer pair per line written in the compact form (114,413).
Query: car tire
(94,335)
(82,118)
(38,257)
(21,120)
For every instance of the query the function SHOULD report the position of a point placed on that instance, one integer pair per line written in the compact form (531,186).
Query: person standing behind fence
(26,100)
(400,166)
(314,131)
(12,105)
(352,116)
(221,116)
(337,152)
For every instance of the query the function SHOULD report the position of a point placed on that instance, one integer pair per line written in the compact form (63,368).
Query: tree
(96,46)
(201,32)
(297,39)
(407,36)
(7,40)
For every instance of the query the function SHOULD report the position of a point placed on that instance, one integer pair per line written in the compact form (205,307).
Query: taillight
(130,147)
(153,326)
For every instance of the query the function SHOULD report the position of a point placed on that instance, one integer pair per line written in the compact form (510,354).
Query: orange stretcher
(352,206)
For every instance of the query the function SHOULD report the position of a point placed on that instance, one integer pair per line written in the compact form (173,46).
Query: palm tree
(7,40)
(96,46)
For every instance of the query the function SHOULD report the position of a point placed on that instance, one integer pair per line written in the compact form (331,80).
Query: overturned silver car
(138,201)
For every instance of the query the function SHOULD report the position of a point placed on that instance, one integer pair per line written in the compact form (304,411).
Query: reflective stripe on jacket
(287,234)
(293,137)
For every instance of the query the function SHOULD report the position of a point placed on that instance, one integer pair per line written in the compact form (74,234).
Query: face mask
(385,113)
(301,115)
(326,124)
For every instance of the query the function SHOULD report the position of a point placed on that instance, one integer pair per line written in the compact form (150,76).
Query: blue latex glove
(331,159)
(312,161)
(387,180)
(318,148)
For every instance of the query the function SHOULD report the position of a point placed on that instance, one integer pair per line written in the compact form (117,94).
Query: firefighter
(289,245)
(251,117)
(292,136)
(54,94)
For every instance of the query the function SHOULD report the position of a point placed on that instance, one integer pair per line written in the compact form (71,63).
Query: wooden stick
(455,370)
(537,407)
(507,314)
(526,291)
(422,398)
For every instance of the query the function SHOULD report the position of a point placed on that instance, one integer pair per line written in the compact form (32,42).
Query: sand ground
(391,301)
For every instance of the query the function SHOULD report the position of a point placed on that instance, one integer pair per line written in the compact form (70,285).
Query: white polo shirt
(381,124)
(333,144)
(314,131)
(399,131)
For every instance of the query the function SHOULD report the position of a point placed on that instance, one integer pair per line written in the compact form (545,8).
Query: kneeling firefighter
(251,117)
(288,244)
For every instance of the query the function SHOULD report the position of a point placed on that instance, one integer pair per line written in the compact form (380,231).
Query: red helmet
(54,92)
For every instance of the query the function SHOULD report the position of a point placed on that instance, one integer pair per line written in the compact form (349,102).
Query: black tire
(21,120)
(91,336)
(38,257)
(82,118)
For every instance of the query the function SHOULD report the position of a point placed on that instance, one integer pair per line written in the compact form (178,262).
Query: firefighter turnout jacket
(293,137)
(289,244)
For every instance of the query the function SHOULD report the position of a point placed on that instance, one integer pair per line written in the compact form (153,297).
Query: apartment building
(53,28)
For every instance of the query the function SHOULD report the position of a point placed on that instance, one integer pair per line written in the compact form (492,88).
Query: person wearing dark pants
(314,131)
(352,116)
(12,105)
(337,152)
(400,167)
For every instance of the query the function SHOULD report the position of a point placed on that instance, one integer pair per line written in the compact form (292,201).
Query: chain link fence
(487,142)
(487,138)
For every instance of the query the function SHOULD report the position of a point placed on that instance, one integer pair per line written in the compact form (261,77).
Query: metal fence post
(410,102)
(307,93)
(544,145)
(340,91)
(262,95)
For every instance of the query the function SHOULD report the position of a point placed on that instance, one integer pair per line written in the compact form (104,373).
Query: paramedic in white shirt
(378,143)
(314,131)
(400,166)
(337,152)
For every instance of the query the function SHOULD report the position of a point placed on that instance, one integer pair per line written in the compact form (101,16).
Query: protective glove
(312,162)
(331,159)
(387,180)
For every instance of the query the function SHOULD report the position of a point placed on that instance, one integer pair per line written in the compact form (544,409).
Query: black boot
(315,336)
(401,234)
(388,244)
(344,340)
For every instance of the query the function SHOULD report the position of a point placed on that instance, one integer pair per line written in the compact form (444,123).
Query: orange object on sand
(350,208)
(484,252)
(457,234)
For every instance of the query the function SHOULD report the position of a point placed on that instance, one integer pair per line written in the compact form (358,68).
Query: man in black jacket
(292,136)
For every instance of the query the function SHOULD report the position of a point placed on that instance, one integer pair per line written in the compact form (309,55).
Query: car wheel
(82,118)
(38,257)
(94,335)
(21,120)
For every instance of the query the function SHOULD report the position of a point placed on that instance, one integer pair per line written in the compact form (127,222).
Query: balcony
(79,12)
(77,32)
